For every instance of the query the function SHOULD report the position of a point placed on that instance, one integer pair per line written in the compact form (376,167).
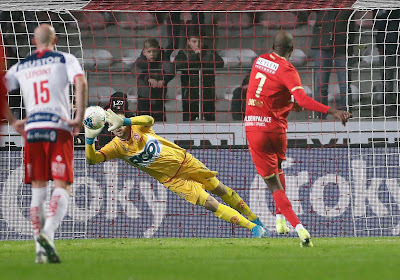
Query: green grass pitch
(207,259)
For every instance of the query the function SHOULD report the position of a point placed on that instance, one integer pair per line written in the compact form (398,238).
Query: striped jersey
(44,78)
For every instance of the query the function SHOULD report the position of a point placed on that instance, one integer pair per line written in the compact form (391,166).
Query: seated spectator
(119,104)
(195,61)
(238,104)
(154,71)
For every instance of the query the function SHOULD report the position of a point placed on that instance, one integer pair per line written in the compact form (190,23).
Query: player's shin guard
(236,202)
(232,216)
(38,213)
(57,210)
(284,205)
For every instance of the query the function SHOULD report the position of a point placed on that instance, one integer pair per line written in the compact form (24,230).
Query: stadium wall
(115,200)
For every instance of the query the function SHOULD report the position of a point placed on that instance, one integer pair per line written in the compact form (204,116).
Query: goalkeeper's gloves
(116,121)
(90,134)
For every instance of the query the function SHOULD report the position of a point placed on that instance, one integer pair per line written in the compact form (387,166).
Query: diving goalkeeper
(179,171)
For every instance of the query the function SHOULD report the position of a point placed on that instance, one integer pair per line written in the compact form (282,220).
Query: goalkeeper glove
(90,134)
(116,121)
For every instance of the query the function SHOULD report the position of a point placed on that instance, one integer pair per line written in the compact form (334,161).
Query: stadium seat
(278,20)
(88,21)
(365,20)
(129,57)
(238,57)
(95,58)
(100,95)
(334,90)
(136,20)
(132,99)
(298,58)
(234,20)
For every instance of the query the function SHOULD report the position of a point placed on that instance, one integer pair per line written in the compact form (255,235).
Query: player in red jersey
(274,82)
(44,78)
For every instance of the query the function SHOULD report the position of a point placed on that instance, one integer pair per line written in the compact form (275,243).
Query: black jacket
(162,69)
(207,62)
(330,31)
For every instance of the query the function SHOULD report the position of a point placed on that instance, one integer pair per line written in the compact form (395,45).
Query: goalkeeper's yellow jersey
(147,151)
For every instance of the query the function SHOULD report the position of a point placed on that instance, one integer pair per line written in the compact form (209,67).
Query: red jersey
(273,82)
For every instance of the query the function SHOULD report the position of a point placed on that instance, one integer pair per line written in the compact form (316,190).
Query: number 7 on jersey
(262,78)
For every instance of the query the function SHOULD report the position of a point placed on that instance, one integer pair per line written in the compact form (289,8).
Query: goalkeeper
(137,144)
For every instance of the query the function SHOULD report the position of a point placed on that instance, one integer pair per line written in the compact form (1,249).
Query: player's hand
(19,126)
(92,133)
(114,120)
(76,125)
(343,116)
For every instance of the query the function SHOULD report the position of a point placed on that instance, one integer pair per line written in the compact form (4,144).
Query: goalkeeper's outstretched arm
(92,156)
(116,121)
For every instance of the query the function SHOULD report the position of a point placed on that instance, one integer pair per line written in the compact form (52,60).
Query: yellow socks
(236,202)
(232,216)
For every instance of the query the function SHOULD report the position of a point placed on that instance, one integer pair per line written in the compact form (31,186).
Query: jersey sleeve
(10,79)
(291,79)
(73,67)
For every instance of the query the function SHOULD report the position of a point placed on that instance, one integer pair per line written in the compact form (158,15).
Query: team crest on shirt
(136,136)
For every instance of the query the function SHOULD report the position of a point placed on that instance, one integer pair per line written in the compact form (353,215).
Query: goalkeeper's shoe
(281,227)
(41,257)
(48,245)
(305,238)
(259,232)
(259,223)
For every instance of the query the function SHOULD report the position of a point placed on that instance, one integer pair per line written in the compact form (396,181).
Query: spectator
(154,72)
(329,52)
(198,61)
(387,41)
(118,103)
(238,105)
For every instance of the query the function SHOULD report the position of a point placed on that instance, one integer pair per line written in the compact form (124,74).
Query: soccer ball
(94,118)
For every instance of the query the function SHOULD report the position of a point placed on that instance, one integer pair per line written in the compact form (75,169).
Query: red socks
(283,182)
(283,204)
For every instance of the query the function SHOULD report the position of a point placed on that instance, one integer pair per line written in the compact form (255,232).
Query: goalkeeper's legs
(231,198)
(230,215)
(38,216)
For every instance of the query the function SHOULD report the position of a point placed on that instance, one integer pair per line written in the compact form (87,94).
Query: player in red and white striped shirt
(274,82)
(44,78)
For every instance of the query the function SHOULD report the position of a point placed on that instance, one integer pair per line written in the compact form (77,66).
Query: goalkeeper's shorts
(266,150)
(49,155)
(192,181)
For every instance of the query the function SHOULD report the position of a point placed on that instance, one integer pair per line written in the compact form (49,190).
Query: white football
(94,118)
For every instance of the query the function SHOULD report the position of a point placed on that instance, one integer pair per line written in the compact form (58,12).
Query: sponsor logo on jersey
(256,120)
(149,154)
(41,135)
(43,117)
(267,65)
(34,61)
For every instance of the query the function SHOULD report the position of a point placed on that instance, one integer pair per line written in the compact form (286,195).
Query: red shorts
(267,149)
(49,155)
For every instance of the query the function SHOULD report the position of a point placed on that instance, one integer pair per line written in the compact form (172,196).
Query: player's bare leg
(231,198)
(38,216)
(230,215)
(285,207)
(57,210)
